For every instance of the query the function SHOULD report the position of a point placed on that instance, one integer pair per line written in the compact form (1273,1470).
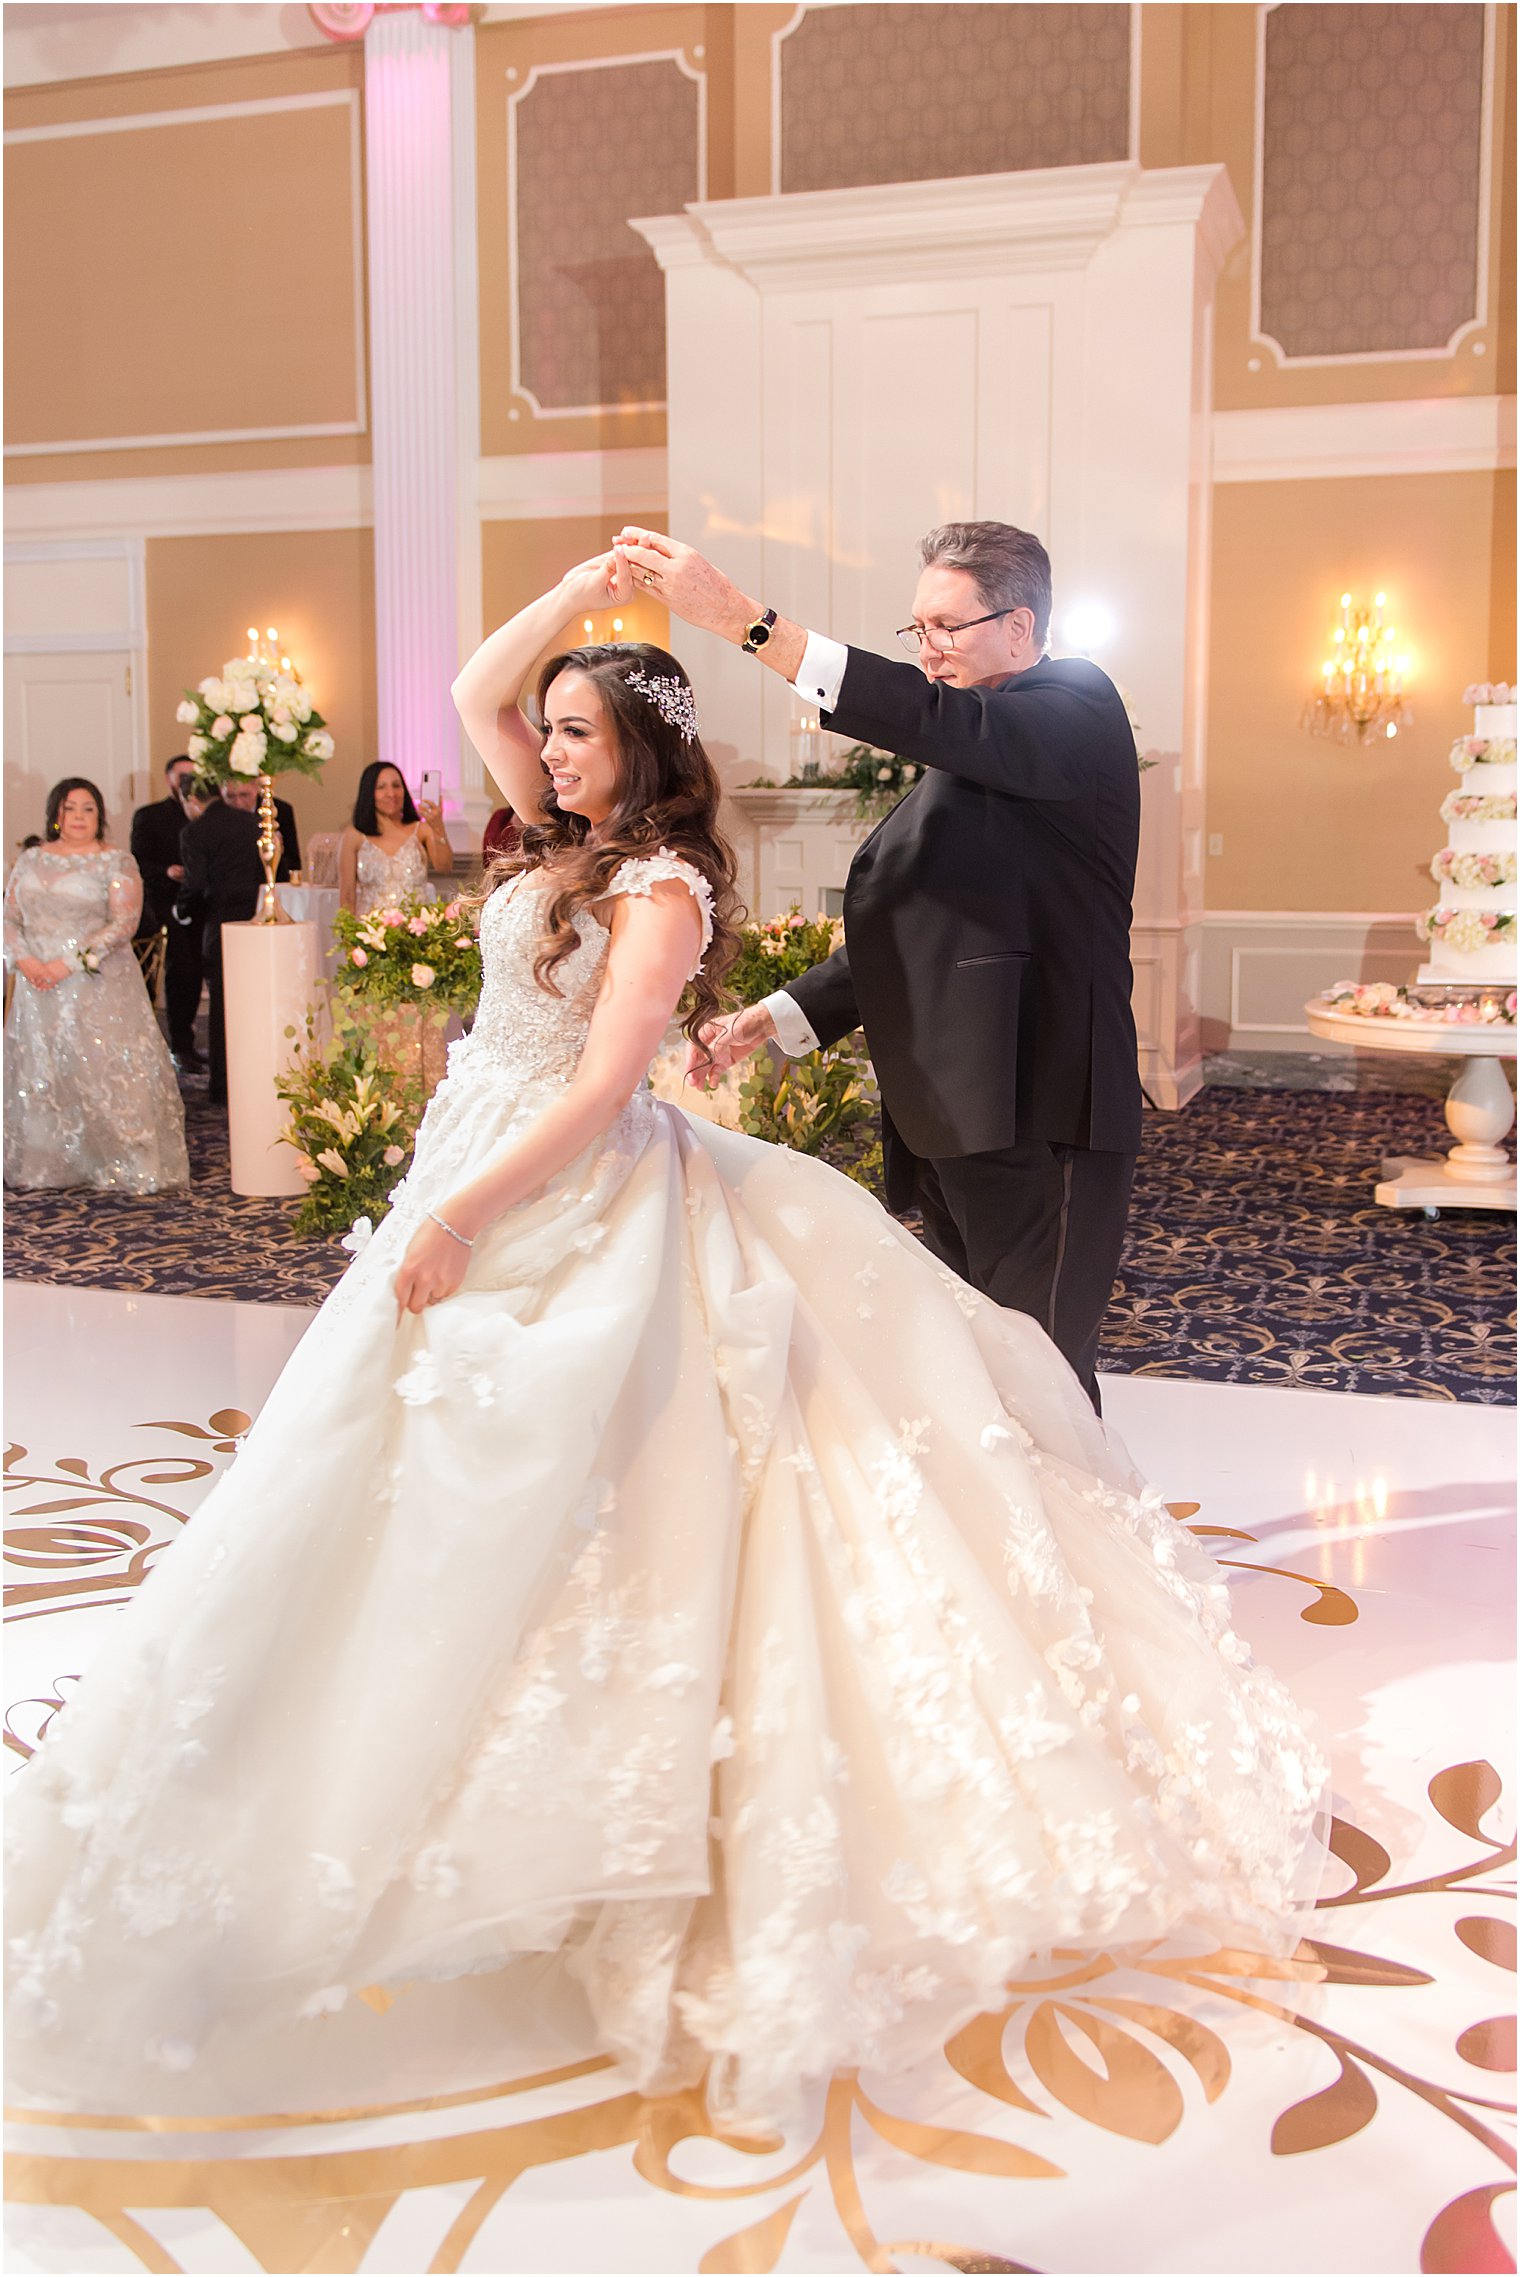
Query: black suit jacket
(156,832)
(987,918)
(223,873)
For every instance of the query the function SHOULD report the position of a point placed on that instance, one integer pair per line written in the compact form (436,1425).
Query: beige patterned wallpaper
(1371,183)
(908,93)
(595,147)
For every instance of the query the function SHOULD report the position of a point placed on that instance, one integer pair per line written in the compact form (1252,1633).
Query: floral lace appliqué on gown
(716,1636)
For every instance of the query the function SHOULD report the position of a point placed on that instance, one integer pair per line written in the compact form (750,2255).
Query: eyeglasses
(941,638)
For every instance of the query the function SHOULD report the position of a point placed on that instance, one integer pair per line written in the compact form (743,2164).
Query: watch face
(759,634)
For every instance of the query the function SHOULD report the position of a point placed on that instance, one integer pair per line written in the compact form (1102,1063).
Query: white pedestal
(271,977)
(1480,1111)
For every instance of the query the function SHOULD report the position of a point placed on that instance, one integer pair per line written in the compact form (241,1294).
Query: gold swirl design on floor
(1132,2045)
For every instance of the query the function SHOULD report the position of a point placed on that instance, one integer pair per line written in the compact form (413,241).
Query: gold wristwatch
(757,634)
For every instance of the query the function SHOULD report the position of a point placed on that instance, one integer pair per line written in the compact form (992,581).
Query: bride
(660,1610)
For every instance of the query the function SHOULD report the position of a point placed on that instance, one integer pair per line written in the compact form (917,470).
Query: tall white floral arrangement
(254,718)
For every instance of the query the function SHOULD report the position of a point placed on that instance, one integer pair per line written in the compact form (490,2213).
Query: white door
(70,714)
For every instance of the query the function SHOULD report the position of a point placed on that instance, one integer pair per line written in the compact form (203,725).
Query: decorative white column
(408,107)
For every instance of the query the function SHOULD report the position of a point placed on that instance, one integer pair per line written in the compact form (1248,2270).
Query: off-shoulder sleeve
(124,896)
(648,870)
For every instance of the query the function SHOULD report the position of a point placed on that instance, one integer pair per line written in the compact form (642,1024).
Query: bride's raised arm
(489,686)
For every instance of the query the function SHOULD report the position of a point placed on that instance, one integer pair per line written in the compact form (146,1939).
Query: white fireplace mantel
(1053,218)
(850,368)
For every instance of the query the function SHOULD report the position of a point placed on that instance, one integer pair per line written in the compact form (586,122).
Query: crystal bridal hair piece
(671,698)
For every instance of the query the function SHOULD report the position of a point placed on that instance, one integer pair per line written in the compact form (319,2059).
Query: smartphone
(432,786)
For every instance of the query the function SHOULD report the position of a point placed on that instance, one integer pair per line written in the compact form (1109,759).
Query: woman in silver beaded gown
(90,1094)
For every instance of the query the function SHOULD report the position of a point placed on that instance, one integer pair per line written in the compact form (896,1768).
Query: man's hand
(729,1041)
(686,582)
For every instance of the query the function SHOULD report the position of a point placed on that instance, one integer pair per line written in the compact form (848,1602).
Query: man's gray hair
(1010,569)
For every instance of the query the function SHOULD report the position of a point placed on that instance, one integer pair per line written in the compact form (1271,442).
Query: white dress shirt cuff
(794,1031)
(820,674)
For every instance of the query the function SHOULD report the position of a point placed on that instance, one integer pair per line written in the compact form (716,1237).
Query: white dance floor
(1173,2113)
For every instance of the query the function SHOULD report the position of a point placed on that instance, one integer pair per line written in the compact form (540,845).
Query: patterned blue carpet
(1256,1253)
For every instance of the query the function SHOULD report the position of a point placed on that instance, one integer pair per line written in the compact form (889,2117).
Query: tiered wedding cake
(1471,929)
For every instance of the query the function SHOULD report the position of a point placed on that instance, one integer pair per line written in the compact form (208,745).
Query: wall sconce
(608,639)
(1361,698)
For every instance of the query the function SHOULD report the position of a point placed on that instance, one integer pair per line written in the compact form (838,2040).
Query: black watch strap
(757,634)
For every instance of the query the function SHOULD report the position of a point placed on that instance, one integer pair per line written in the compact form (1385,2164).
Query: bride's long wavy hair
(667,795)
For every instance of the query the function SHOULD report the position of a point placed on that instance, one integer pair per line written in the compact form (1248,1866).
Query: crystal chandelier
(1362,695)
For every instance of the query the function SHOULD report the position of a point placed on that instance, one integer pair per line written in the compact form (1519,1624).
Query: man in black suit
(987,920)
(222,877)
(156,833)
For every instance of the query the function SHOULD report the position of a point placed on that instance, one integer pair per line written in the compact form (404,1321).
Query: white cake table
(1480,1110)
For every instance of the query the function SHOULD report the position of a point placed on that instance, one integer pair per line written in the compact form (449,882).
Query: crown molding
(192,505)
(1046,218)
(1444,434)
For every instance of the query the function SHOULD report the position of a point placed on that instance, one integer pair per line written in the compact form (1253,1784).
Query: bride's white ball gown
(716,1636)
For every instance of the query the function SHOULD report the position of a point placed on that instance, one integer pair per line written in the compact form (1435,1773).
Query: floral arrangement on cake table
(1383,1000)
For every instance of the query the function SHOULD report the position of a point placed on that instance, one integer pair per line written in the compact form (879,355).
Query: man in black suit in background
(987,920)
(222,877)
(156,833)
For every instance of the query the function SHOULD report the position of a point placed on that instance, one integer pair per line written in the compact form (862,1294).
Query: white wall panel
(1015,439)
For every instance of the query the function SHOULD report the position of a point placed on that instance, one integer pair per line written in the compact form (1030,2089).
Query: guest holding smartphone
(389,848)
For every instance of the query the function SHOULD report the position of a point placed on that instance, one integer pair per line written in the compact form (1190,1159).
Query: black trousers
(184,970)
(216,1089)
(1038,1227)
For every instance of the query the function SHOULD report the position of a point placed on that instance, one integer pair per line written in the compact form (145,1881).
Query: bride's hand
(604,582)
(727,1041)
(432,1269)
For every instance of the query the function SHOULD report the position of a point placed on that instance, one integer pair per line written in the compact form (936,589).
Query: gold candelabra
(271,845)
(267,910)
(1361,696)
